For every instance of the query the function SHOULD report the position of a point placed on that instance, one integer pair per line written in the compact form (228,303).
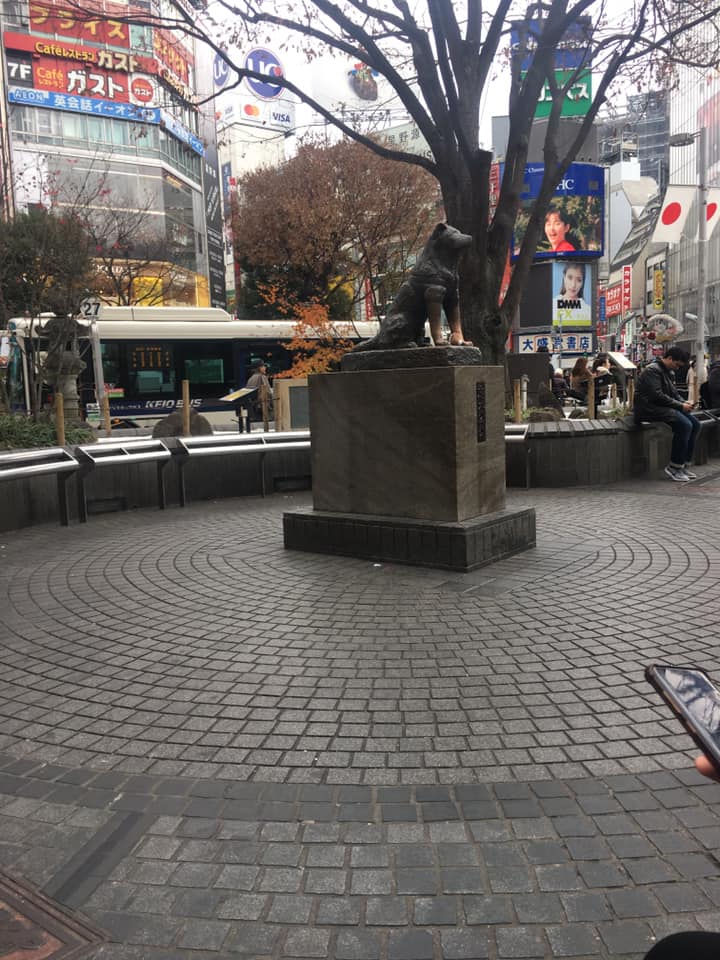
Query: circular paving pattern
(190,643)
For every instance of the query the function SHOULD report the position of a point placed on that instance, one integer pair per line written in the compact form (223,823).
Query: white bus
(146,353)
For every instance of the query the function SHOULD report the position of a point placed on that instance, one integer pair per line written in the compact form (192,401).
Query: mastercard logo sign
(251,110)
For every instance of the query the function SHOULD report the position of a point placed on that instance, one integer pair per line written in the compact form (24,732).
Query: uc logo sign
(263,61)
(221,71)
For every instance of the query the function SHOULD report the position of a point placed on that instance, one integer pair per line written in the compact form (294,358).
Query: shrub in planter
(18,432)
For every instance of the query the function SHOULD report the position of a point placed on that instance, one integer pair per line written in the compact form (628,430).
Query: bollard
(186,408)
(105,406)
(517,401)
(591,399)
(60,418)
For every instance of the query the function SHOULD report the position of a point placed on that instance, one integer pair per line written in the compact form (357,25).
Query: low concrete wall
(31,501)
(592,452)
(568,453)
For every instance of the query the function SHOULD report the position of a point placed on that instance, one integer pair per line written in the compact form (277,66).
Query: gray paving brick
(592,907)
(631,936)
(358,945)
(307,943)
(412,945)
(371,882)
(386,912)
(579,940)
(681,897)
(488,910)
(203,935)
(464,944)
(286,908)
(520,941)
(339,911)
(538,908)
(325,881)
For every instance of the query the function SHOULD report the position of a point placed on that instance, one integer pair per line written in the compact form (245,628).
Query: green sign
(577,99)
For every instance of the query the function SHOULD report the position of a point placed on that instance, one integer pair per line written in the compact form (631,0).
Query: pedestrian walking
(260,403)
(657,399)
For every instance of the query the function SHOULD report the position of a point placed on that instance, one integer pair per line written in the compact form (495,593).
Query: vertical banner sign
(626,288)
(658,289)
(212,186)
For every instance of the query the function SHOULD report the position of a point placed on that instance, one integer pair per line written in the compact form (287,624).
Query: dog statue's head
(450,237)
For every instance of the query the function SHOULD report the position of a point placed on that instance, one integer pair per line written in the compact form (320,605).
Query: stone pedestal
(408,463)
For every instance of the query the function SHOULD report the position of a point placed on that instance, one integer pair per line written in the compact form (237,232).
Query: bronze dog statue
(431,286)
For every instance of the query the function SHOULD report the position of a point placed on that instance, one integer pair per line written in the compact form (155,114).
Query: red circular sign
(142,90)
(671,213)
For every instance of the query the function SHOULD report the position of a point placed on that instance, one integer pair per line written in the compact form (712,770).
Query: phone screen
(698,695)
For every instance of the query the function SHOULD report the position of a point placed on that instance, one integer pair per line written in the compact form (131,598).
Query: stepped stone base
(463,546)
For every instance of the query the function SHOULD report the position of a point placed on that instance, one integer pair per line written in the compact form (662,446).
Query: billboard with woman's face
(572,297)
(573,226)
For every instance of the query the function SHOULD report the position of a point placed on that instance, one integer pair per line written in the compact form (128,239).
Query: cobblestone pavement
(213,747)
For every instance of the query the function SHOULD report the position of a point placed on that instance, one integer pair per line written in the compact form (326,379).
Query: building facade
(102,118)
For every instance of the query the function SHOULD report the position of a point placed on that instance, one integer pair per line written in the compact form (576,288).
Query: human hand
(704,766)
(687,406)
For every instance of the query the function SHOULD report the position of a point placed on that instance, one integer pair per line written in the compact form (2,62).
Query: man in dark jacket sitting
(657,398)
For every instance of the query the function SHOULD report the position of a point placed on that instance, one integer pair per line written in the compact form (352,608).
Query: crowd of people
(576,383)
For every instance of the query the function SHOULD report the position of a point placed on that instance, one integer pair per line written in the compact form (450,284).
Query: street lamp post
(684,140)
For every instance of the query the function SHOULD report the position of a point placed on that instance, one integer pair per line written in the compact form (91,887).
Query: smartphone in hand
(695,701)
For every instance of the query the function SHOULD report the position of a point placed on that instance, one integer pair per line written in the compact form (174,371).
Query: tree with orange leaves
(319,342)
(330,219)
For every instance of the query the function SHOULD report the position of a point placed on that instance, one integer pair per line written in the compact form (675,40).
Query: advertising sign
(614,300)
(577,99)
(273,114)
(81,71)
(658,288)
(571,285)
(626,288)
(574,219)
(570,55)
(212,186)
(264,61)
(119,60)
(351,87)
(181,133)
(564,343)
(57,20)
(172,55)
(103,108)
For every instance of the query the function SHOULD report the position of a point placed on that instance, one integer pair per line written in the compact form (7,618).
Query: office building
(102,117)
